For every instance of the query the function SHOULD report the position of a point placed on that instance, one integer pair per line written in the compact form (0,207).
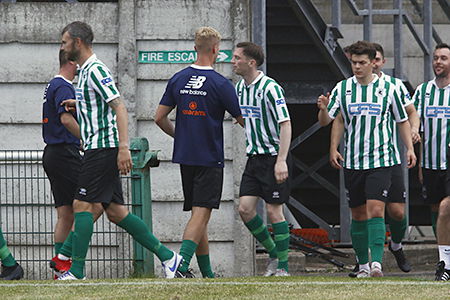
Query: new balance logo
(195,82)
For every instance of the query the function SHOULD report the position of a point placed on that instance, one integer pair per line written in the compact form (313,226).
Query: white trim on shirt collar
(201,67)
(434,82)
(375,78)
(64,78)
(261,74)
(89,60)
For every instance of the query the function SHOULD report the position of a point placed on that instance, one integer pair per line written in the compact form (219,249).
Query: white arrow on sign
(222,56)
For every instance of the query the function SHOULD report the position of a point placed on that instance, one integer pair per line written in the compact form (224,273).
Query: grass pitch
(230,288)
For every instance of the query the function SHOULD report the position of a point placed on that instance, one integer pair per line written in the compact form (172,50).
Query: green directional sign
(177,57)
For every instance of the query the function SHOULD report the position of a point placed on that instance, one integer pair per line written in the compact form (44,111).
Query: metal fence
(28,217)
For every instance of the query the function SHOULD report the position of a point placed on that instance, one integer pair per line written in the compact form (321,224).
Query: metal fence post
(367,20)
(427,38)
(143,159)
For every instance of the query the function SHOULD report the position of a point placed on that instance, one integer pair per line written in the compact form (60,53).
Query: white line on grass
(199,283)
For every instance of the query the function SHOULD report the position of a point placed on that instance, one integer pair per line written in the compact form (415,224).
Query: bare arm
(414,122)
(70,105)
(337,130)
(281,169)
(162,119)
(405,134)
(124,162)
(70,123)
(419,161)
(322,103)
(240,121)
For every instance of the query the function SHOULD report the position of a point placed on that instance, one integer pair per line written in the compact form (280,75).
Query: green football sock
(205,266)
(360,241)
(260,232)
(377,236)
(5,256)
(58,247)
(187,250)
(398,229)
(434,216)
(66,248)
(281,232)
(140,232)
(84,226)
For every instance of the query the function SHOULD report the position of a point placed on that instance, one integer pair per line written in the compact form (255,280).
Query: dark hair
(80,30)
(363,47)
(63,59)
(379,48)
(441,46)
(252,50)
(346,49)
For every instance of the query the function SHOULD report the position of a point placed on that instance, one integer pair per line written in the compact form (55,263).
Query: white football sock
(63,257)
(396,246)
(444,255)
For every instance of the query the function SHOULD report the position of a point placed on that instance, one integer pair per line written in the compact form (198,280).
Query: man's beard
(73,55)
(443,74)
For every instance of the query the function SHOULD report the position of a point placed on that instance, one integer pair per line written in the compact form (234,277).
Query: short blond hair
(206,38)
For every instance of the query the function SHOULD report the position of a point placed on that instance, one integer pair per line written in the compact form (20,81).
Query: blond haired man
(201,97)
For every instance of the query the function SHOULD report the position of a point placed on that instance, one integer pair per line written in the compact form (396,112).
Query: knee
(397,215)
(377,212)
(444,209)
(275,214)
(359,213)
(244,210)
(247,213)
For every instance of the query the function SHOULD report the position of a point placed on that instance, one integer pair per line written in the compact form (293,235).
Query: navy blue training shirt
(53,131)
(201,96)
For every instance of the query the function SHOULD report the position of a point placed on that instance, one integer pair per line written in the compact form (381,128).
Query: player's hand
(415,136)
(281,171)
(124,162)
(336,159)
(411,158)
(70,105)
(322,101)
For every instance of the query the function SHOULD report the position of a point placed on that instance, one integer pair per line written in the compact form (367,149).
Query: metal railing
(400,16)
(28,216)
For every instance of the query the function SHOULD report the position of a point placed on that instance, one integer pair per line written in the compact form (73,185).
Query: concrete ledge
(297,263)
(423,259)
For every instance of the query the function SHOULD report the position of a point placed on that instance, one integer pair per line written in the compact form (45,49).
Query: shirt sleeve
(275,96)
(64,92)
(398,108)
(230,100)
(168,99)
(417,100)
(334,106)
(103,83)
(404,94)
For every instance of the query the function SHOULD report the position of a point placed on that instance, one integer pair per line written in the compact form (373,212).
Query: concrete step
(422,257)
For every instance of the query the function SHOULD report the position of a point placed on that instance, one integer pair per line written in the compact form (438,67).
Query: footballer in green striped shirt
(103,120)
(432,100)
(268,130)
(367,106)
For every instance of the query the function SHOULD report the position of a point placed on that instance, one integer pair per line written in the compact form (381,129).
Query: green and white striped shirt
(405,97)
(263,108)
(433,107)
(367,112)
(97,120)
